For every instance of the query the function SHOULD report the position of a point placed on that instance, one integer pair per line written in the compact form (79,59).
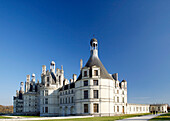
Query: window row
(66,100)
(139,109)
(122,92)
(95,108)
(95,94)
(95,83)
(45,109)
(95,73)
(66,92)
(118,100)
(118,110)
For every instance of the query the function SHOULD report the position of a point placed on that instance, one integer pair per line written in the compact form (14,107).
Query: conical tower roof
(95,61)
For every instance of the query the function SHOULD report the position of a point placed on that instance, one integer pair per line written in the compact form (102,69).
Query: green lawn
(108,118)
(29,116)
(3,117)
(162,117)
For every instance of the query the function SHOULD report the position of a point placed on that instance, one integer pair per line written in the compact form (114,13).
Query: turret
(52,67)
(94,47)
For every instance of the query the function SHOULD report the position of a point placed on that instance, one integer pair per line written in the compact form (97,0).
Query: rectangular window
(86,94)
(46,92)
(86,83)
(117,99)
(85,108)
(96,108)
(95,72)
(46,100)
(60,100)
(85,73)
(117,108)
(123,100)
(72,99)
(117,91)
(95,93)
(158,108)
(95,82)
(46,109)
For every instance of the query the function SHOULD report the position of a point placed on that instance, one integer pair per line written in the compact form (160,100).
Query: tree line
(6,109)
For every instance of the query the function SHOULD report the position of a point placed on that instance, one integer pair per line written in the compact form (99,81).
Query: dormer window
(85,73)
(95,72)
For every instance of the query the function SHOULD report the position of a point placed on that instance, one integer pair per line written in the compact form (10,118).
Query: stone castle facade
(94,92)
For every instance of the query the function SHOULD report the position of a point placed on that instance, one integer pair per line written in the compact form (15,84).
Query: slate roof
(95,61)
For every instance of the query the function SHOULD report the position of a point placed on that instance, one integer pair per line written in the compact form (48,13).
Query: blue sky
(133,35)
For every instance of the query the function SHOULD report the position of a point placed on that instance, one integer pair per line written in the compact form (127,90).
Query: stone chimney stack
(27,83)
(81,64)
(71,80)
(22,87)
(61,79)
(44,69)
(28,78)
(17,93)
(74,77)
(115,76)
(33,77)
(62,69)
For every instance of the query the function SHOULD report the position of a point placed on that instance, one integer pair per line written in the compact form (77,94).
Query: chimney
(71,80)
(44,69)
(17,93)
(81,64)
(22,86)
(115,76)
(62,71)
(74,77)
(33,77)
(28,78)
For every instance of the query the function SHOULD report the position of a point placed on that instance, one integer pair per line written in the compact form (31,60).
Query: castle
(95,92)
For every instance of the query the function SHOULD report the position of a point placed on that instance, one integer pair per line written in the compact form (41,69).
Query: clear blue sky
(133,35)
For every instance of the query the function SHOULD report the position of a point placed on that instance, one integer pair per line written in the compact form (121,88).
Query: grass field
(109,118)
(3,117)
(29,116)
(162,117)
